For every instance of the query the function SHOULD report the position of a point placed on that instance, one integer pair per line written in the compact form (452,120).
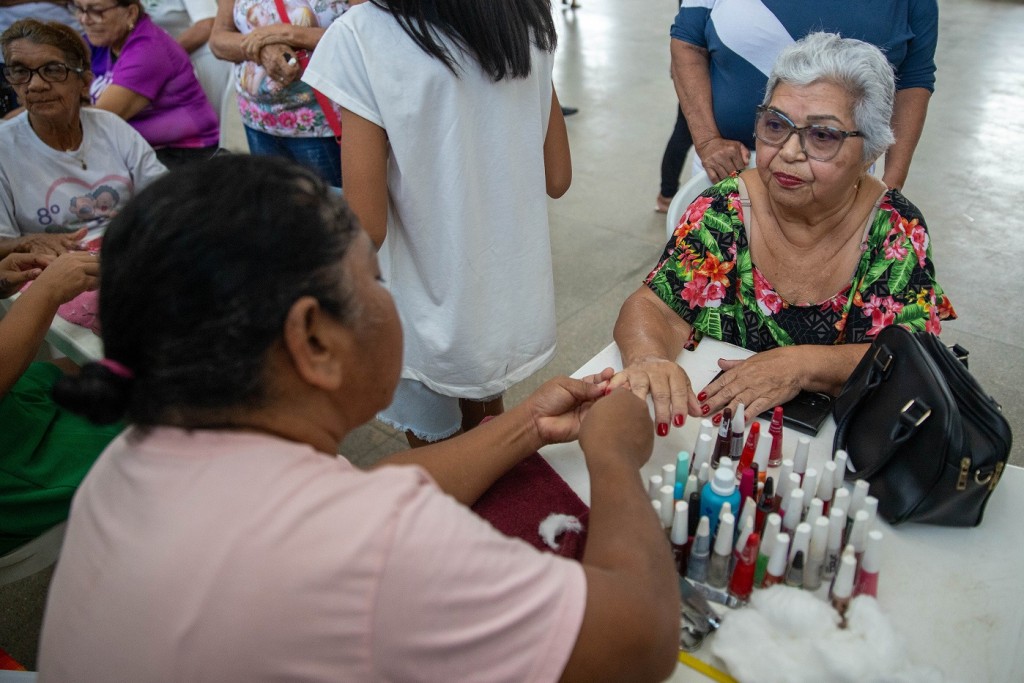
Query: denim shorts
(322,155)
(430,416)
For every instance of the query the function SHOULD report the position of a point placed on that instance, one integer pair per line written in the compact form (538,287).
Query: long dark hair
(198,273)
(497,32)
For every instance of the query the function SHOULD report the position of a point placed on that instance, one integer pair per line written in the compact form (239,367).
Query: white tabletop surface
(954,595)
(78,343)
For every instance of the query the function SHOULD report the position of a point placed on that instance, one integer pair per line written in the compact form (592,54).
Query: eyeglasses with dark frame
(821,143)
(91,13)
(53,72)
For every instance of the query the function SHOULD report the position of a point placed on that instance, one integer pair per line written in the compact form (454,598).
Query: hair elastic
(117,368)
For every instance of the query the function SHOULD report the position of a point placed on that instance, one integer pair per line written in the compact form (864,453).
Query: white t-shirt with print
(43,189)
(468,250)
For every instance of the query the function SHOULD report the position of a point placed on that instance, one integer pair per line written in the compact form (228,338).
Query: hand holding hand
(721,158)
(668,386)
(51,244)
(761,382)
(260,37)
(281,63)
(17,269)
(559,405)
(619,426)
(69,275)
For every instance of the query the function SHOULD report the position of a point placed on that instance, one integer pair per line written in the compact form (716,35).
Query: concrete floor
(613,64)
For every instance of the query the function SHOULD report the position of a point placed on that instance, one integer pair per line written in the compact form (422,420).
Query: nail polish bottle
(680,536)
(721,489)
(775,431)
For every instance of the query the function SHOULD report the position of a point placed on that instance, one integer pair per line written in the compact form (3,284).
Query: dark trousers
(675,155)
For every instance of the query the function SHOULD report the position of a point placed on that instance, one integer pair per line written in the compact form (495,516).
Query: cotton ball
(788,635)
(554,525)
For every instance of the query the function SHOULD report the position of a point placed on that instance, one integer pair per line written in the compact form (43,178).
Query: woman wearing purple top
(144,76)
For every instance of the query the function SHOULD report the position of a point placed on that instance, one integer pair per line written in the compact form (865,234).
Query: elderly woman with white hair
(803,259)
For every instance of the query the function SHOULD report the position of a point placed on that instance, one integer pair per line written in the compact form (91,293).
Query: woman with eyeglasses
(65,169)
(803,259)
(144,76)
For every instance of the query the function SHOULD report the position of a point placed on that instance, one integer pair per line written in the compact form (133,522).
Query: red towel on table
(518,502)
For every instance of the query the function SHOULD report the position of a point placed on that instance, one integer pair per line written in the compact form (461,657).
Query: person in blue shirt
(722,51)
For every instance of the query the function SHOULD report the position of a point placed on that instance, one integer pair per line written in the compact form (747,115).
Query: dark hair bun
(96,393)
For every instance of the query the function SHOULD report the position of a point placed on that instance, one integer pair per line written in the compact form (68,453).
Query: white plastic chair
(690,191)
(687,193)
(32,557)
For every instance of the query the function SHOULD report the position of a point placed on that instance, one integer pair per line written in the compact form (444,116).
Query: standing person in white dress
(190,23)
(453,140)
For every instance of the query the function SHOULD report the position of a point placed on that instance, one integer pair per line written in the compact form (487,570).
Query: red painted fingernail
(716,419)
(679,420)
(704,410)
(702,396)
(662,429)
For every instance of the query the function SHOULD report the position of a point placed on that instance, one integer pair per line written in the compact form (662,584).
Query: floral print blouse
(706,275)
(291,111)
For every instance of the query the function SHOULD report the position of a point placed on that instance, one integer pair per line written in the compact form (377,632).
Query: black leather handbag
(921,431)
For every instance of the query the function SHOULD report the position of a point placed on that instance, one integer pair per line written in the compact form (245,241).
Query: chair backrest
(690,191)
(687,193)
(32,557)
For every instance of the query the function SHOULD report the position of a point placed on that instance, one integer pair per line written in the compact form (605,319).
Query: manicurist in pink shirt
(220,537)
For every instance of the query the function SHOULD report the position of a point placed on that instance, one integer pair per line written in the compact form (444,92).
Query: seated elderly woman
(64,169)
(803,259)
(144,76)
(221,538)
(45,450)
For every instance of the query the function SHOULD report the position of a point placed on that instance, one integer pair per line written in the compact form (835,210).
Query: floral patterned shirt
(291,111)
(706,275)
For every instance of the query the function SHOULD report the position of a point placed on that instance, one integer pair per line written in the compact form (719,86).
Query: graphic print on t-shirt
(72,203)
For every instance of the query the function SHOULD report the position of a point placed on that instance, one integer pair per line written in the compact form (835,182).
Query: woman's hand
(721,158)
(618,425)
(260,37)
(281,63)
(69,275)
(559,405)
(17,269)
(668,386)
(50,244)
(761,382)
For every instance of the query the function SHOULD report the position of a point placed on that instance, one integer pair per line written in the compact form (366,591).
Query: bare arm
(364,166)
(557,160)
(121,101)
(650,337)
(466,466)
(225,40)
(692,79)
(908,117)
(196,35)
(630,626)
(23,327)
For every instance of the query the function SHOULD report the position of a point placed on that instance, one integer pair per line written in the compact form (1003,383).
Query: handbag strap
(321,99)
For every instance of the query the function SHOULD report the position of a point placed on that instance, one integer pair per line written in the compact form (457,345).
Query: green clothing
(45,452)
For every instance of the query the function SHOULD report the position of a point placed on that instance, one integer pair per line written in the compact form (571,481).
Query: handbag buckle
(916,417)
(882,362)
